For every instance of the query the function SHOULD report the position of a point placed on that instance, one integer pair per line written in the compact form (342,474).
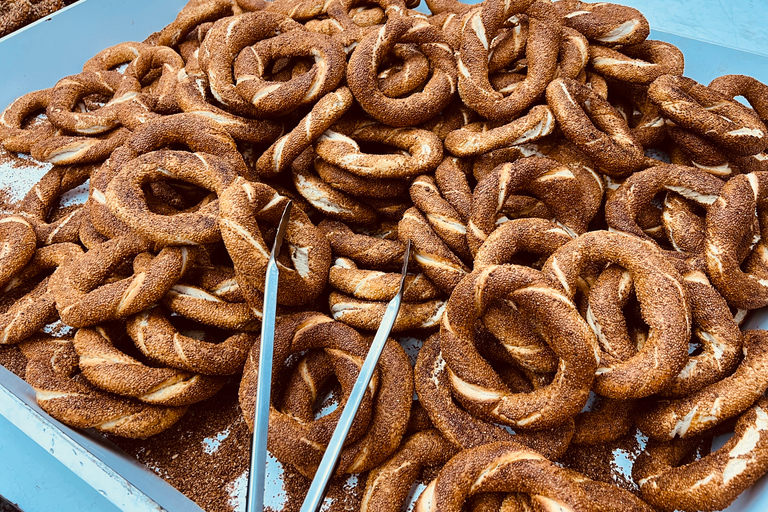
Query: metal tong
(257,474)
(331,457)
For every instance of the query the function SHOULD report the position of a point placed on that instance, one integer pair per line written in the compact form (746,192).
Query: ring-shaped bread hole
(173,196)
(286,68)
(198,331)
(379,148)
(329,393)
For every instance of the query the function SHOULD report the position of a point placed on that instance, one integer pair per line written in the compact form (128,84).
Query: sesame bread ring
(212,297)
(710,113)
(729,222)
(387,486)
(161,92)
(372,50)
(311,378)
(367,315)
(446,222)
(18,243)
(37,308)
(592,124)
(538,236)
(13,134)
(221,46)
(663,300)
(609,24)
(638,190)
(703,409)
(70,90)
(640,63)
(83,300)
(191,91)
(716,330)
(606,421)
(126,199)
(433,256)
(52,371)
(477,385)
(546,179)
(374,285)
(44,195)
(339,146)
(683,227)
(512,467)
(328,109)
(534,236)
(574,54)
(273,98)
(158,339)
(607,298)
(192,131)
(459,427)
(712,482)
(14,15)
(755,92)
(333,203)
(703,153)
(69,150)
(359,186)
(451,178)
(197,133)
(243,206)
(115,56)
(476,138)
(27,314)
(542,49)
(190,17)
(111,370)
(392,406)
(368,251)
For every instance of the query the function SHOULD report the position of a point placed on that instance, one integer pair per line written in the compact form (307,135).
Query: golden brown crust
(155,336)
(388,485)
(389,419)
(591,123)
(81,297)
(475,383)
(112,370)
(371,51)
(660,290)
(244,205)
(709,113)
(715,480)
(18,240)
(52,373)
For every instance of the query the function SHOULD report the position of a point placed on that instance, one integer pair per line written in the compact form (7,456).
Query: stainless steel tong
(331,457)
(256,476)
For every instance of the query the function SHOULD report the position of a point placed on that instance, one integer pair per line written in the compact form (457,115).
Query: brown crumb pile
(206,457)
(12,359)
(185,460)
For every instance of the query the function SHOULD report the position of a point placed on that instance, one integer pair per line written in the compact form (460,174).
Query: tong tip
(281,229)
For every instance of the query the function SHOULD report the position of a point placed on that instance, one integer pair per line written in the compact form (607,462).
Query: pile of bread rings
(15,14)
(515,143)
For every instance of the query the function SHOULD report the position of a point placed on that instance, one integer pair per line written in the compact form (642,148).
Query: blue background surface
(35,480)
